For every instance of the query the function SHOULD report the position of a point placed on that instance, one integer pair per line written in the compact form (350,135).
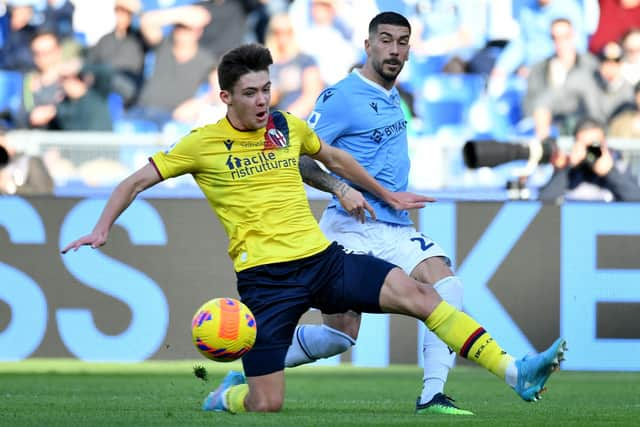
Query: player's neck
(370,74)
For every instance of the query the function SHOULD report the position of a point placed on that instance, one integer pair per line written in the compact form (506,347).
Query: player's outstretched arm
(351,199)
(343,164)
(119,200)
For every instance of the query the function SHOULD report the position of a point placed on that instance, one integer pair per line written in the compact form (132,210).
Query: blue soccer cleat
(534,371)
(215,400)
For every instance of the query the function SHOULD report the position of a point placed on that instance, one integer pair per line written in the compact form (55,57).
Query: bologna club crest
(277,132)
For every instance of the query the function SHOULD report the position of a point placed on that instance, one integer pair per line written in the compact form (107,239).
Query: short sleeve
(310,141)
(330,117)
(181,158)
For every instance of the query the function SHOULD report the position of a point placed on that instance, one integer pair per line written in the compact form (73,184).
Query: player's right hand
(402,200)
(95,240)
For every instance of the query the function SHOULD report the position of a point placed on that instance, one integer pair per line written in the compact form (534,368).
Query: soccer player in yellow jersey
(247,166)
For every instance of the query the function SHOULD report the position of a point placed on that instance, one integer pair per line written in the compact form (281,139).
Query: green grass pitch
(70,393)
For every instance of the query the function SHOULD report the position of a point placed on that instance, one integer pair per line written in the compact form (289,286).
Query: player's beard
(388,76)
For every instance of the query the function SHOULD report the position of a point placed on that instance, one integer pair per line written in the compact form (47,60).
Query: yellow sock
(235,398)
(467,338)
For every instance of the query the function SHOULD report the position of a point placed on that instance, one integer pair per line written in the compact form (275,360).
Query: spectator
(351,19)
(556,86)
(533,43)
(203,109)
(227,26)
(181,65)
(455,29)
(612,91)
(85,104)
(616,18)
(324,41)
(295,76)
(591,171)
(626,124)
(630,67)
(42,86)
(15,53)
(58,17)
(123,51)
(61,94)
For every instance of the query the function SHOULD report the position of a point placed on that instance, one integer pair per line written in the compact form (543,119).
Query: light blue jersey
(363,118)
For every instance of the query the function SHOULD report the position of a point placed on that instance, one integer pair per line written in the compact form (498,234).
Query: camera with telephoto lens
(4,157)
(490,153)
(594,151)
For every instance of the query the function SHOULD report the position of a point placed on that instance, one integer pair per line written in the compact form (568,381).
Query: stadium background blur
(131,287)
(446,103)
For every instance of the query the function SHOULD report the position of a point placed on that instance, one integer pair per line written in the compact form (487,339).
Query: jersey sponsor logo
(313,119)
(374,105)
(228,143)
(377,135)
(388,131)
(259,163)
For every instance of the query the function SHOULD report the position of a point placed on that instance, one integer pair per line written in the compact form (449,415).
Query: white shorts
(401,245)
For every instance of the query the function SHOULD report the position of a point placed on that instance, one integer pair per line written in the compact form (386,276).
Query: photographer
(61,94)
(22,174)
(591,171)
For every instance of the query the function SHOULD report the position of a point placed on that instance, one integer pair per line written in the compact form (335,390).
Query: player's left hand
(402,200)
(95,240)
(354,202)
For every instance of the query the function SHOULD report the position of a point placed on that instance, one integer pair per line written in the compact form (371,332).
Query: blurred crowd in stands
(498,69)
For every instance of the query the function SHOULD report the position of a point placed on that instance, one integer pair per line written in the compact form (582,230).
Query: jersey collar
(374,84)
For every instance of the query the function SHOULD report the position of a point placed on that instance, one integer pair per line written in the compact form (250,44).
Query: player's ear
(225,96)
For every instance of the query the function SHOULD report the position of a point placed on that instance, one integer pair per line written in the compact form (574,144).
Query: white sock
(313,342)
(511,375)
(438,359)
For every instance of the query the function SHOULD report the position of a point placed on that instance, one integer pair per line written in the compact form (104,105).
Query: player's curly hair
(242,60)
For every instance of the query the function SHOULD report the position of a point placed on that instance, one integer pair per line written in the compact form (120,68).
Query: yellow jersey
(252,182)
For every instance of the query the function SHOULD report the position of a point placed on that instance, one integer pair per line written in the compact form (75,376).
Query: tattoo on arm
(314,176)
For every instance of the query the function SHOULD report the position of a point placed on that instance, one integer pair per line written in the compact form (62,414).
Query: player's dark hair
(240,61)
(389,18)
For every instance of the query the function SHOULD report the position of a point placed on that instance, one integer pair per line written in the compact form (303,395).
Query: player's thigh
(350,282)
(266,392)
(401,245)
(346,231)
(405,295)
(277,300)
(417,254)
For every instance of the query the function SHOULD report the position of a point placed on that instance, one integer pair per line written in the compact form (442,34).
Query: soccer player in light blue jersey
(361,114)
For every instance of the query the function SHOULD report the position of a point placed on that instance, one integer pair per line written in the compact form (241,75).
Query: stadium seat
(10,91)
(436,114)
(125,125)
(509,103)
(445,99)
(116,106)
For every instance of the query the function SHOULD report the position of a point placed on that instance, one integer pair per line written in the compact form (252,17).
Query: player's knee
(451,290)
(421,300)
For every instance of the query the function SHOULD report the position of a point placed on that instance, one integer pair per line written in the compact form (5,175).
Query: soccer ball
(223,329)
